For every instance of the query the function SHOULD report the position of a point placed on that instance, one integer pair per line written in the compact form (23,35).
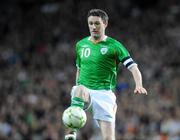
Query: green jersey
(98,63)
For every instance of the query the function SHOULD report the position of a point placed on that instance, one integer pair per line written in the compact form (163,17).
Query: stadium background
(37,66)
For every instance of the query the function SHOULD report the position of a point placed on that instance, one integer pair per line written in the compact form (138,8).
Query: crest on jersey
(104,50)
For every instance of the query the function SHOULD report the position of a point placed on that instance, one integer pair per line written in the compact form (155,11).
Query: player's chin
(95,35)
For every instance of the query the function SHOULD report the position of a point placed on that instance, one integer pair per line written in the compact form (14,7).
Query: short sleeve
(124,56)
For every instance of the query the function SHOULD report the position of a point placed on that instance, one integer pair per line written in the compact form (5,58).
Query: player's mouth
(95,32)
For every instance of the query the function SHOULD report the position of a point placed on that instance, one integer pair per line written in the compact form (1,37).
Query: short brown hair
(99,13)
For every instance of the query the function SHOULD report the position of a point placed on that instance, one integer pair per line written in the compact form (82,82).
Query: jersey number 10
(85,52)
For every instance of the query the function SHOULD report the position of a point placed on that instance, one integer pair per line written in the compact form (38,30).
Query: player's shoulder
(82,41)
(114,41)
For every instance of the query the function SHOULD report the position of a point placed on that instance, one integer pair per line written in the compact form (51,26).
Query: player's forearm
(77,76)
(137,76)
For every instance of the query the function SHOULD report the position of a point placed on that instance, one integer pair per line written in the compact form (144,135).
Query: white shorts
(102,103)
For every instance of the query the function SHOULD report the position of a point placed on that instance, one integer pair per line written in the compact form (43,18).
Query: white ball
(74,117)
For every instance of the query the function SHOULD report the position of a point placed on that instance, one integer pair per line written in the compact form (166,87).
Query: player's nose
(93,26)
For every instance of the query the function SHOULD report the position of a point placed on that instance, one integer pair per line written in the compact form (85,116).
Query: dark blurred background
(37,66)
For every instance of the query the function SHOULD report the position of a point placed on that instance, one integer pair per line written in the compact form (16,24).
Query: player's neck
(97,39)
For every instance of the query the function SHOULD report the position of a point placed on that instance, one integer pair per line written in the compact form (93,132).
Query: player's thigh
(104,105)
(107,130)
(81,92)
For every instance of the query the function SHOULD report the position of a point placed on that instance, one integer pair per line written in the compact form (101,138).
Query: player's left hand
(140,90)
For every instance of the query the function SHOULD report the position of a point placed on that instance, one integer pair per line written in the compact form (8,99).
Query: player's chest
(96,52)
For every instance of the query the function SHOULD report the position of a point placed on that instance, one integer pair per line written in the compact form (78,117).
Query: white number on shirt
(85,52)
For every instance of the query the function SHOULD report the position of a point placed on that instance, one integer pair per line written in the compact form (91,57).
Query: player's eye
(90,23)
(97,23)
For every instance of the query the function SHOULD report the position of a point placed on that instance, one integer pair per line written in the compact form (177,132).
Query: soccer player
(97,62)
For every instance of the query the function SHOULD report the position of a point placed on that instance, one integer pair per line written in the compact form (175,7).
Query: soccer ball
(74,117)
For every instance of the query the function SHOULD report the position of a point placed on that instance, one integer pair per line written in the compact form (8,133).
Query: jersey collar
(104,39)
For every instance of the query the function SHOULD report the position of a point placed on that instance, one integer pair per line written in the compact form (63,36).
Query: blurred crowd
(37,67)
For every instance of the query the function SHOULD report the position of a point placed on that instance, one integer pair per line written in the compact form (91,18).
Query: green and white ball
(74,117)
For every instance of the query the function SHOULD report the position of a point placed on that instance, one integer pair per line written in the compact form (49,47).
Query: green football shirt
(98,63)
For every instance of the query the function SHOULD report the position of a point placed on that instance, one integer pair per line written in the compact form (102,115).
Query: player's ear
(106,24)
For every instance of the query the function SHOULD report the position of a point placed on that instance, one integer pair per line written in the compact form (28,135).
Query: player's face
(96,27)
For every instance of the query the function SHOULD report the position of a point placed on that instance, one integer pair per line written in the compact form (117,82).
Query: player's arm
(129,63)
(77,75)
(78,61)
(138,80)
